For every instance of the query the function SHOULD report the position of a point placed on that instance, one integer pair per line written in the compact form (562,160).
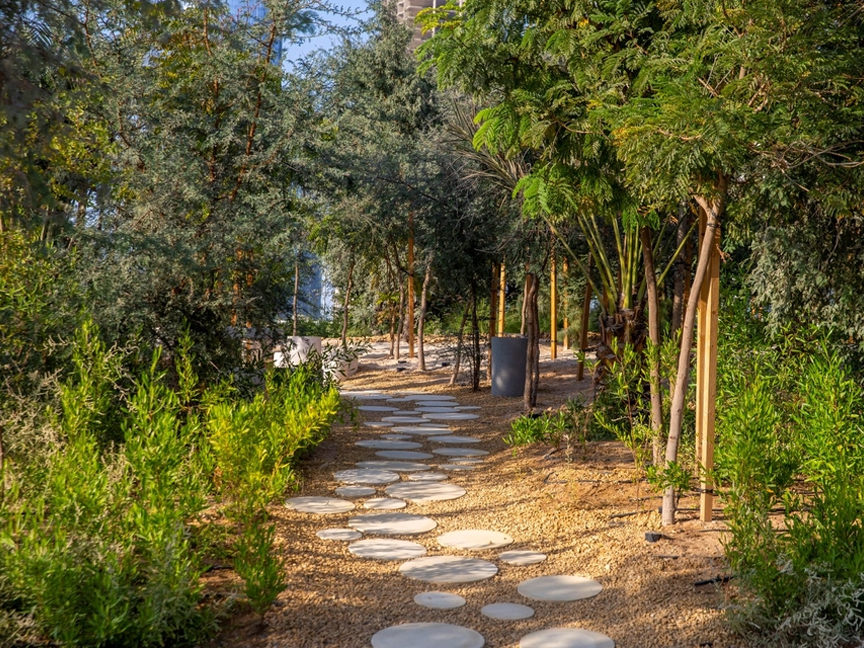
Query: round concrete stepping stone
(403,454)
(454,438)
(522,558)
(393,466)
(463,408)
(425,491)
(396,437)
(366,476)
(366,397)
(403,419)
(460,452)
(448,569)
(384,504)
(474,539)
(319,505)
(385,444)
(399,400)
(466,460)
(439,600)
(377,408)
(431,397)
(449,416)
(437,410)
(355,491)
(456,467)
(387,549)
(377,424)
(566,638)
(392,523)
(427,476)
(422,431)
(427,635)
(559,588)
(506,611)
(339,534)
(361,393)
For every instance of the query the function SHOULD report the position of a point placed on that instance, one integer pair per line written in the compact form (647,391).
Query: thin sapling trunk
(654,347)
(424,293)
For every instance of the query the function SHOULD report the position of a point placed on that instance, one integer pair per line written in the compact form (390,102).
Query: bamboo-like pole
(410,284)
(706,373)
(583,331)
(493,301)
(553,308)
(502,294)
(565,268)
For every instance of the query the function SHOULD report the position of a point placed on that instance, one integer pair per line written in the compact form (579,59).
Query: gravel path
(572,512)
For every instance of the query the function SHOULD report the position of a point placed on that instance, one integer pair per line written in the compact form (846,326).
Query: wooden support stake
(493,301)
(553,308)
(583,331)
(706,372)
(410,284)
(565,268)
(502,294)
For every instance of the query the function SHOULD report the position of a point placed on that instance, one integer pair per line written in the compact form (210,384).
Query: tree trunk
(532,358)
(586,320)
(345,305)
(493,315)
(678,297)
(713,209)
(475,337)
(411,284)
(401,319)
(524,305)
(421,355)
(296,294)
(458,362)
(657,440)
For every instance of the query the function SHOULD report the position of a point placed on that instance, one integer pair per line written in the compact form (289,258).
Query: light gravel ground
(566,510)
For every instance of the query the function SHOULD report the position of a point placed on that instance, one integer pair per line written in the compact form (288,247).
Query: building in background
(406,12)
(251,11)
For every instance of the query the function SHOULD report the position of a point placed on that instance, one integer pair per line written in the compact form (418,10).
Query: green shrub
(559,429)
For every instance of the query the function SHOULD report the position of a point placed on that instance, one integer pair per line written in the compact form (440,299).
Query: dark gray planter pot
(508,366)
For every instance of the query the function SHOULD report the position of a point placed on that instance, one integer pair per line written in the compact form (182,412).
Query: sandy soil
(588,515)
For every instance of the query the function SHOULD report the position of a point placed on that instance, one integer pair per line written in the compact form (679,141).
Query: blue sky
(325,41)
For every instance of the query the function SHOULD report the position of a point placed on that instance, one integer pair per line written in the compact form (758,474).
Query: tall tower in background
(406,12)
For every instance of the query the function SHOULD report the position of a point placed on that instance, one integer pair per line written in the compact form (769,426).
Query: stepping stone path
(355,491)
(448,569)
(388,444)
(366,476)
(319,505)
(439,600)
(406,432)
(387,549)
(507,611)
(474,540)
(339,534)
(427,635)
(392,523)
(425,491)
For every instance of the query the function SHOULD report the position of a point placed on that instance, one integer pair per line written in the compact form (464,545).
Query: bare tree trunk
(424,293)
(296,294)
(532,358)
(458,362)
(524,305)
(493,314)
(713,209)
(678,297)
(400,319)
(345,305)
(475,338)
(657,440)
(586,319)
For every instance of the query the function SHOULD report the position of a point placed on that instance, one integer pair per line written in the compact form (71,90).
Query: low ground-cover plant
(560,429)
(102,541)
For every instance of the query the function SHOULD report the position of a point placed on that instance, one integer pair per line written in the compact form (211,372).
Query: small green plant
(259,567)
(560,429)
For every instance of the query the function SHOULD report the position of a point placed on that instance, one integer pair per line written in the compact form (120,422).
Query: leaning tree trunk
(458,361)
(296,294)
(713,209)
(421,355)
(345,305)
(679,291)
(532,358)
(654,354)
